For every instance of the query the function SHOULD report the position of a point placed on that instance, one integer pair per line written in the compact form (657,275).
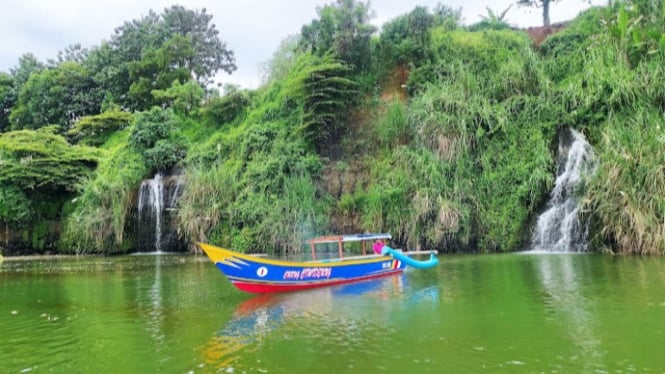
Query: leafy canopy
(156,135)
(95,130)
(343,28)
(55,96)
(42,159)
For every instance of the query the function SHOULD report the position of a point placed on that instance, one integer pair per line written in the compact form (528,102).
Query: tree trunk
(546,12)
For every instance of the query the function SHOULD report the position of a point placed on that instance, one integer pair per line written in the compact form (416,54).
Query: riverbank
(38,257)
(199,257)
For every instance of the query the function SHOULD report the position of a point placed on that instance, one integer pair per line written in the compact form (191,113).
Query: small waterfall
(559,228)
(157,198)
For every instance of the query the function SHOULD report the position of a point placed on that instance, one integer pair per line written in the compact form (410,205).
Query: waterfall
(157,198)
(151,198)
(559,228)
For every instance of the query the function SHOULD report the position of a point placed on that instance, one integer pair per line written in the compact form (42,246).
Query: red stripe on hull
(273,287)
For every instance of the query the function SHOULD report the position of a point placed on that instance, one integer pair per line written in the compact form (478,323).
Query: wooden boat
(261,275)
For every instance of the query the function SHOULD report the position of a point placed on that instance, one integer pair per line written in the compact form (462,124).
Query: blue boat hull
(261,275)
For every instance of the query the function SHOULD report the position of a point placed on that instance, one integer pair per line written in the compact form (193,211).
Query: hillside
(442,134)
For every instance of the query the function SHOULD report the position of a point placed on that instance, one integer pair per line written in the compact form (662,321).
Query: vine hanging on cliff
(328,95)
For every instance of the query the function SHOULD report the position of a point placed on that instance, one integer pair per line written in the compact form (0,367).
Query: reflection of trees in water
(343,314)
(560,280)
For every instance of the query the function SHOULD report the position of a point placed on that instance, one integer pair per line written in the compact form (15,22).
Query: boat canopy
(339,239)
(349,238)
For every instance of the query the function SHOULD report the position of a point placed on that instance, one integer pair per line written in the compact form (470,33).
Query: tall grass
(99,215)
(487,128)
(393,127)
(298,214)
(437,117)
(251,186)
(209,190)
(628,194)
(620,107)
(410,195)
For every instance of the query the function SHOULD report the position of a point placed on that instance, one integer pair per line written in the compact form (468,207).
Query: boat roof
(349,238)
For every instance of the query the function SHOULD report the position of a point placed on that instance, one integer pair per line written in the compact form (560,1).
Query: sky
(252,29)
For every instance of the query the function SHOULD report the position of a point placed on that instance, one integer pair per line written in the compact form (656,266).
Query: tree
(545,4)
(158,69)
(109,74)
(7,99)
(156,135)
(282,61)
(496,17)
(15,207)
(10,86)
(27,64)
(183,98)
(493,20)
(343,28)
(55,96)
(406,38)
(152,52)
(73,52)
(224,109)
(95,130)
(211,55)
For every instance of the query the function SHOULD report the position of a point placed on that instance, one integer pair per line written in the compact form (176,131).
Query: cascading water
(151,198)
(157,198)
(559,228)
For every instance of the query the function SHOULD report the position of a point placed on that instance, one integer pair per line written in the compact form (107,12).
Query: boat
(257,274)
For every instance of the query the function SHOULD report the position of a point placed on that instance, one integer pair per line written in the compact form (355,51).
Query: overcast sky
(252,29)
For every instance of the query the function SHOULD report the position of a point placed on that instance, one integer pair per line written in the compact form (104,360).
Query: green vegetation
(41,159)
(157,137)
(97,217)
(95,130)
(442,134)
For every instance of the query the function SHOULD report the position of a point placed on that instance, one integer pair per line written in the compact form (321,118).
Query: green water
(513,313)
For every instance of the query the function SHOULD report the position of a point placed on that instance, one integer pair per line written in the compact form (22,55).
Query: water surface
(552,313)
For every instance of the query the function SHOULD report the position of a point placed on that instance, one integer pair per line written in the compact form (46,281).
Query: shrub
(157,137)
(95,130)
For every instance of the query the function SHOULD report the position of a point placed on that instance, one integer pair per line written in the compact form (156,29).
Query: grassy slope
(461,165)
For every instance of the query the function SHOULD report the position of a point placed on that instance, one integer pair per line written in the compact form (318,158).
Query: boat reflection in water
(253,320)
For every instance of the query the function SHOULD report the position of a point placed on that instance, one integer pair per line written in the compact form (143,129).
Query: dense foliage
(254,183)
(44,160)
(440,133)
(95,130)
(98,216)
(156,136)
(342,28)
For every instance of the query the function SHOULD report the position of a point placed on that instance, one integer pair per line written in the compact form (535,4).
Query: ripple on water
(33,339)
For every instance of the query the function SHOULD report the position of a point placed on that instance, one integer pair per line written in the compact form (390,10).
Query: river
(510,313)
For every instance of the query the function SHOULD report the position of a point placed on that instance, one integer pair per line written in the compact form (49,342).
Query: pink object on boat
(378,245)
